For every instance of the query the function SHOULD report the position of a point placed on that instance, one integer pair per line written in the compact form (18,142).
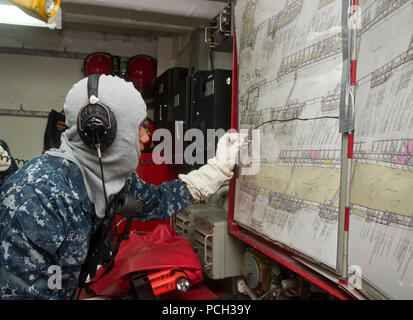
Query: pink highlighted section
(409,147)
(401,159)
(315,155)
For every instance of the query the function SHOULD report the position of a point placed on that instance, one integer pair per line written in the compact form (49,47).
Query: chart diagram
(290,75)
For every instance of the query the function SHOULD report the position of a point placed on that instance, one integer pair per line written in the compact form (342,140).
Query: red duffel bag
(161,249)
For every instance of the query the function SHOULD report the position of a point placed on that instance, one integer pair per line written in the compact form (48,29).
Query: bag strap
(96,255)
(101,248)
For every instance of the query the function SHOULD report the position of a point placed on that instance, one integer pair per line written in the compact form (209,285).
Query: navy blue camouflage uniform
(47,220)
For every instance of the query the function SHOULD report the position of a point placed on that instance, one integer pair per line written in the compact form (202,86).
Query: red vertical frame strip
(234,101)
(350,146)
(355,5)
(234,125)
(353,72)
(346,218)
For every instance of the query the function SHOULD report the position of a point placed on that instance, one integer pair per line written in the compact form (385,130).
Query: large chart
(290,74)
(381,223)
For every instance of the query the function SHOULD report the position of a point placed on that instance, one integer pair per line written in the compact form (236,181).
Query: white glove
(208,179)
(5,161)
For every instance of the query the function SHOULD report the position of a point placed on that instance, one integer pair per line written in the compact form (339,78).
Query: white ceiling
(149,18)
(139,17)
(189,8)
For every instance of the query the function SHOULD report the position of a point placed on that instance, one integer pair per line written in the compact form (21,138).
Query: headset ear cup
(97,124)
(110,135)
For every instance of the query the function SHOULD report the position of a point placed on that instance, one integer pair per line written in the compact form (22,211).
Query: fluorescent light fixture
(10,14)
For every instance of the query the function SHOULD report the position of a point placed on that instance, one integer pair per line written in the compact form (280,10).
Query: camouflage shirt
(47,220)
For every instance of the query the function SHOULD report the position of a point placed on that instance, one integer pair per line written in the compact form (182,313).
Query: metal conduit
(43,53)
(24,113)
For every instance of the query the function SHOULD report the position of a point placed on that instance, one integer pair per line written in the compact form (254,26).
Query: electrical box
(200,101)
(179,102)
(219,253)
(179,117)
(164,85)
(211,93)
(218,33)
(184,219)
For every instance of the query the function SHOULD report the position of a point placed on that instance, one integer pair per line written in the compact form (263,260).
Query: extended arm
(159,202)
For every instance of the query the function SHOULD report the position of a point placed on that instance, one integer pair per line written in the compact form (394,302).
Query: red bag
(161,249)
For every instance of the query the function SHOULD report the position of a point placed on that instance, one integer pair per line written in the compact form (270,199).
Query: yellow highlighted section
(316,184)
(274,178)
(382,188)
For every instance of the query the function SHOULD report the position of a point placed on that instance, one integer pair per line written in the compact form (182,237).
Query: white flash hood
(121,158)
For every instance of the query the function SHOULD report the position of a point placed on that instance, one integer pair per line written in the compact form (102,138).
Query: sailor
(50,207)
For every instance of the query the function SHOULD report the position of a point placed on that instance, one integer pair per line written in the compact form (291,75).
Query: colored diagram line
(378,11)
(310,55)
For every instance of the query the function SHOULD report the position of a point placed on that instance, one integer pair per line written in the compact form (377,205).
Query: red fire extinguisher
(98,63)
(142,71)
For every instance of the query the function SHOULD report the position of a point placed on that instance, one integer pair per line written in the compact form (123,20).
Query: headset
(96,123)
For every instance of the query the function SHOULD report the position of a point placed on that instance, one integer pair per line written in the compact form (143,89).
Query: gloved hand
(208,179)
(5,161)
(228,148)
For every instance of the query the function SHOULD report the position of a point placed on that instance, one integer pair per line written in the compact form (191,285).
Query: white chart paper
(290,68)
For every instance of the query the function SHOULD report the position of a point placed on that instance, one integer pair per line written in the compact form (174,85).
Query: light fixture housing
(45,10)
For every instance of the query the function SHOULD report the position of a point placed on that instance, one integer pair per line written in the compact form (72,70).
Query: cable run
(292,119)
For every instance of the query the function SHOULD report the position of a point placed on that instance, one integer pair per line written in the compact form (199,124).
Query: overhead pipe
(44,53)
(24,113)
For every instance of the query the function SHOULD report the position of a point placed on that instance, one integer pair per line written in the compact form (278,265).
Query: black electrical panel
(179,114)
(163,88)
(200,101)
(211,104)
(179,103)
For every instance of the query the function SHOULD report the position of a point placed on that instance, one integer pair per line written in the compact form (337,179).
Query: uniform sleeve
(31,234)
(159,202)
